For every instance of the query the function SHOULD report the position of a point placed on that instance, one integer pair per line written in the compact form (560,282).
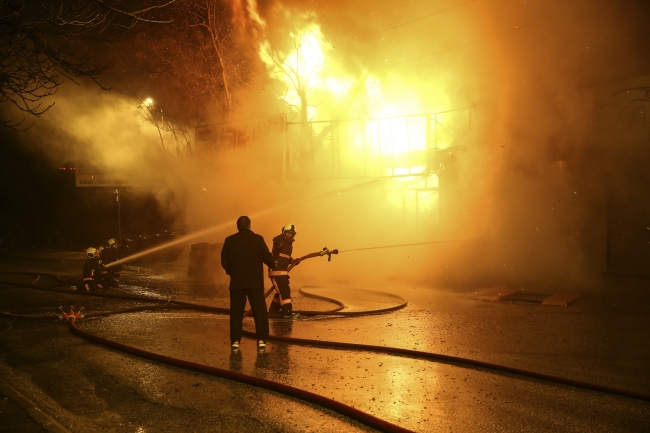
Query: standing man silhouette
(243,256)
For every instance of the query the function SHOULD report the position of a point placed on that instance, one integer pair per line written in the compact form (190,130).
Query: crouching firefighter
(91,278)
(282,249)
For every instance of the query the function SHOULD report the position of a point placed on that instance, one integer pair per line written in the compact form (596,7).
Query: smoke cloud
(528,205)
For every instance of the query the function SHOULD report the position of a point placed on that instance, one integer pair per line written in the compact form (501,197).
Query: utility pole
(119,216)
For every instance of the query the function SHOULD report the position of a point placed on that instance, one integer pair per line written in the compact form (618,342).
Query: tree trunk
(306,157)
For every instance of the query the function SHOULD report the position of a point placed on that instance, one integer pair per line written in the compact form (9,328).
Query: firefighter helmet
(100,249)
(289,228)
(90,252)
(112,241)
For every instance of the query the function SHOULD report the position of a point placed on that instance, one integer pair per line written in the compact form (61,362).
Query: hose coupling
(65,316)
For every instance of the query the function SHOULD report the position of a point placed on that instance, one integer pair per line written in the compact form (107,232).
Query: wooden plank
(561,299)
(496,294)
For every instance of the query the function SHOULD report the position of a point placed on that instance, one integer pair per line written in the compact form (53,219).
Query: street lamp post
(119,216)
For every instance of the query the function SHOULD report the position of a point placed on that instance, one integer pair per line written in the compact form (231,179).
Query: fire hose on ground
(370,420)
(311,397)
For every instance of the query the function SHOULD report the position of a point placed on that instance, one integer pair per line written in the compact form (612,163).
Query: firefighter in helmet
(282,249)
(110,255)
(91,278)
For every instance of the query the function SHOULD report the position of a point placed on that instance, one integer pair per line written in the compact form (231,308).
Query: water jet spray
(223,225)
(402,245)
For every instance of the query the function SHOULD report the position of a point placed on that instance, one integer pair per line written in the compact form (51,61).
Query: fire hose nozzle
(329,253)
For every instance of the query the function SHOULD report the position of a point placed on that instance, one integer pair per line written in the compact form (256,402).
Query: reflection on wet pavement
(418,394)
(140,291)
(354,299)
(409,392)
(236,360)
(387,387)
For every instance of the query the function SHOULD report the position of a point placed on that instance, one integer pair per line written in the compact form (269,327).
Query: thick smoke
(108,131)
(544,204)
(532,193)
(530,200)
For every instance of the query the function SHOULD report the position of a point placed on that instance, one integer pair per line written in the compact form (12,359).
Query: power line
(456,47)
(424,17)
(500,34)
(390,10)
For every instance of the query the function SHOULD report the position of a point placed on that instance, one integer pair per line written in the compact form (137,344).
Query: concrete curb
(40,417)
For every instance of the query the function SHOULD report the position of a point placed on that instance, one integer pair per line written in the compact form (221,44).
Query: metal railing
(343,148)
(414,149)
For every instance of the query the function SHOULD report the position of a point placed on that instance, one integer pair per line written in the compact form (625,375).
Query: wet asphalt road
(603,338)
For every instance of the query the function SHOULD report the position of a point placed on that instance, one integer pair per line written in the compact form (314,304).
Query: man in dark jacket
(242,257)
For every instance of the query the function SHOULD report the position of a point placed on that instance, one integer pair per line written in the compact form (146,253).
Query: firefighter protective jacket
(242,257)
(109,255)
(92,268)
(282,249)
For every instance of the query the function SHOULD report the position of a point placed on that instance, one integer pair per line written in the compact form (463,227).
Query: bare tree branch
(298,75)
(200,60)
(44,43)
(174,136)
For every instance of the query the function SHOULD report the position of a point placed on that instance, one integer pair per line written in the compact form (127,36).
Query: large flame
(306,69)
(392,134)
(310,65)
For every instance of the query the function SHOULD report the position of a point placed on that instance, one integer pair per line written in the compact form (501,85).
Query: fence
(417,150)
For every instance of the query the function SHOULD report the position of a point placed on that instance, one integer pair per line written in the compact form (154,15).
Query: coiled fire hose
(320,400)
(360,416)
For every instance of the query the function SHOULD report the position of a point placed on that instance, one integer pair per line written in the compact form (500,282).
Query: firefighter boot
(275,306)
(287,312)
